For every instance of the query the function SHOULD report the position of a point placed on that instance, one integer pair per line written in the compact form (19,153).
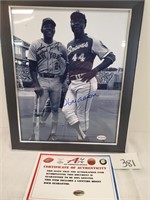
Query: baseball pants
(51,89)
(78,102)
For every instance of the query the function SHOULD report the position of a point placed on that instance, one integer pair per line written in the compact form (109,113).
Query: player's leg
(63,93)
(55,96)
(34,110)
(38,107)
(46,112)
(69,107)
(42,105)
(69,110)
(44,83)
(43,100)
(35,120)
(85,95)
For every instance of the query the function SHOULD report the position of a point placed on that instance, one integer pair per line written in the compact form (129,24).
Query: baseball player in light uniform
(82,51)
(47,63)
(47,108)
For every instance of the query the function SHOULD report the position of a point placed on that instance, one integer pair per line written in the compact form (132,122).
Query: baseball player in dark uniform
(82,51)
(47,63)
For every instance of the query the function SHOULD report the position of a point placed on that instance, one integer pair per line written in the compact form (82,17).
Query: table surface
(17,166)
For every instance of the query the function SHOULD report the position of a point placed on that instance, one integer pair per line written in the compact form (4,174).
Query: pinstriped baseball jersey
(81,54)
(46,56)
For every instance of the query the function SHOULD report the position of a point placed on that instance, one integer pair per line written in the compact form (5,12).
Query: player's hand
(89,75)
(62,79)
(38,91)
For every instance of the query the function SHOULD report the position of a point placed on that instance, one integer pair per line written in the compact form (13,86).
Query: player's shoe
(86,139)
(32,138)
(52,137)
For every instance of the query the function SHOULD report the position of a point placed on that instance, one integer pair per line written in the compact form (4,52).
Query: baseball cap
(48,20)
(77,15)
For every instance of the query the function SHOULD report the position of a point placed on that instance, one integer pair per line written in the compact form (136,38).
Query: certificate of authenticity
(71,177)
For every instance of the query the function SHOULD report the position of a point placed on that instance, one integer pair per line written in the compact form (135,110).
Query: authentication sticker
(101,137)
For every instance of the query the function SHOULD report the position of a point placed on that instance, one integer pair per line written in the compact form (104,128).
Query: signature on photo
(69,102)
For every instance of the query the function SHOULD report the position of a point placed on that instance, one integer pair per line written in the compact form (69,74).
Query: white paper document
(72,177)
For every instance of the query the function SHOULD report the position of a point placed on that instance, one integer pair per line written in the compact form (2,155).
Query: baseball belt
(48,75)
(76,77)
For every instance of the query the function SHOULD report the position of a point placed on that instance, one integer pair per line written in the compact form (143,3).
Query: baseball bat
(37,120)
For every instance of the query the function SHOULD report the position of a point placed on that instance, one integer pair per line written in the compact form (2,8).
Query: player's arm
(33,72)
(105,55)
(64,53)
(65,56)
(33,69)
(107,61)
(64,76)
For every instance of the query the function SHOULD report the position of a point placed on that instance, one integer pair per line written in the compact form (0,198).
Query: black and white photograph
(63,95)
(71,68)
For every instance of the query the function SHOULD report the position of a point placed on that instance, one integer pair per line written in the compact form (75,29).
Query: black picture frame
(136,7)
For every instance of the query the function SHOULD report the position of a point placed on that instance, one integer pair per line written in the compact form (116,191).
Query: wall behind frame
(140,109)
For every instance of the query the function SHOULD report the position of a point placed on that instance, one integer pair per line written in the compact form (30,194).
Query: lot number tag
(125,161)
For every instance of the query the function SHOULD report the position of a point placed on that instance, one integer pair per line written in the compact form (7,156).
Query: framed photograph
(69,71)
